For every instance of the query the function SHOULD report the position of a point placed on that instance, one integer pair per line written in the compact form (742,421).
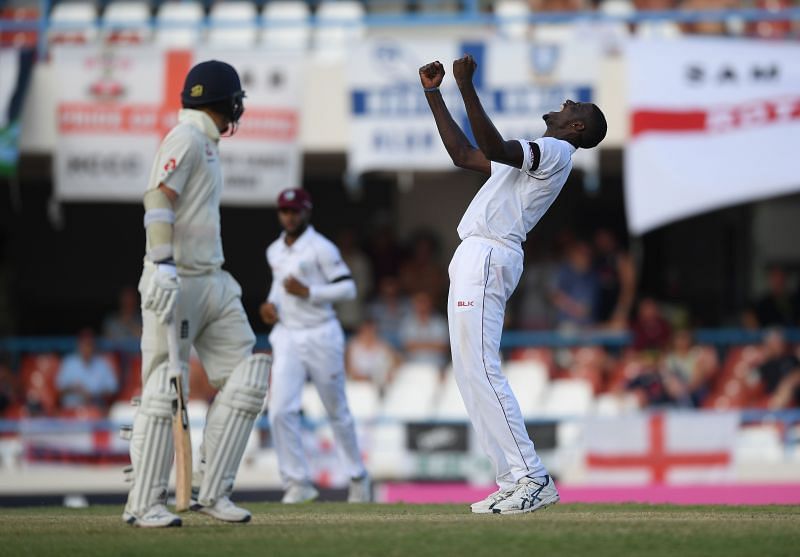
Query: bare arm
(461,151)
(489,139)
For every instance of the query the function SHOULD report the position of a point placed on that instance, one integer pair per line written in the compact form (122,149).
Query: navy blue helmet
(216,84)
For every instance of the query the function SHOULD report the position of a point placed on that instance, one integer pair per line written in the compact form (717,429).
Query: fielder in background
(308,276)
(525,177)
(183,280)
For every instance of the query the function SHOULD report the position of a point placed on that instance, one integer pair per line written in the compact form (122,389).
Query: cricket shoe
(223,509)
(485,506)
(360,490)
(300,493)
(531,494)
(156,517)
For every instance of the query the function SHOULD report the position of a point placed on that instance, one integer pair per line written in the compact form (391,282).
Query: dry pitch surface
(413,530)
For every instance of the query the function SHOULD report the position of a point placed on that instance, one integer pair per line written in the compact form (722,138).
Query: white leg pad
(151,444)
(230,421)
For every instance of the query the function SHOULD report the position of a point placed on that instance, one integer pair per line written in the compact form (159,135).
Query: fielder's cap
(294,198)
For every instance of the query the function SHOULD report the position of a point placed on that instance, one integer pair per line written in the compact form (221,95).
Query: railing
(721,338)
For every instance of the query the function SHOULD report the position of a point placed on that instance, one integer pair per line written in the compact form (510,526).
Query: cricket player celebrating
(525,177)
(308,275)
(183,285)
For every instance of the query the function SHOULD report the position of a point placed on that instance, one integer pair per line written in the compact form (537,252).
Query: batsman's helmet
(215,84)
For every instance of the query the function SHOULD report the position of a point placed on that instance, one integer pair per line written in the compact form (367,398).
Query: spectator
(616,279)
(384,251)
(422,272)
(776,307)
(86,378)
(389,310)
(370,358)
(351,312)
(771,29)
(424,334)
(779,372)
(708,27)
(692,367)
(647,382)
(576,289)
(651,331)
(126,322)
(532,302)
(8,386)
(125,325)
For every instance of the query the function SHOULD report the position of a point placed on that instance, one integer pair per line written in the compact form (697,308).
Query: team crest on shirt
(169,167)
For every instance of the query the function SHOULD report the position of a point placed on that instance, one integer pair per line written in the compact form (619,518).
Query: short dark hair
(596,128)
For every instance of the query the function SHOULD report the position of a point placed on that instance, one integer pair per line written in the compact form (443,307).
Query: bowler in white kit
(525,177)
(308,276)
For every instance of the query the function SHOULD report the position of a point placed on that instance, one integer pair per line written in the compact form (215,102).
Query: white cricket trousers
(210,317)
(316,352)
(483,275)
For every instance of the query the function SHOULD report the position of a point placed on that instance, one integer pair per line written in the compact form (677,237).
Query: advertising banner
(392,127)
(116,104)
(713,122)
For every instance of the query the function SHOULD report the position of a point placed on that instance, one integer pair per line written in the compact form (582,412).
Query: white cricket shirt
(513,200)
(313,260)
(188,163)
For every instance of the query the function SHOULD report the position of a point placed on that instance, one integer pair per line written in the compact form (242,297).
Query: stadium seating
(449,404)
(412,394)
(178,21)
(234,24)
(286,25)
(528,380)
(363,400)
(18,38)
(512,24)
(567,397)
(340,24)
(73,23)
(126,22)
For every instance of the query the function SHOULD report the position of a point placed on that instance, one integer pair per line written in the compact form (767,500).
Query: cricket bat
(180,425)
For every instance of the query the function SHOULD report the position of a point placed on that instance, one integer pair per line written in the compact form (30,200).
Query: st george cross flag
(713,122)
(661,448)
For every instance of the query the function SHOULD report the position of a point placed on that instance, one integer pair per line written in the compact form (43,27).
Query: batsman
(184,287)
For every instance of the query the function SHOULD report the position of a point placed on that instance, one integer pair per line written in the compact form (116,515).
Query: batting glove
(162,292)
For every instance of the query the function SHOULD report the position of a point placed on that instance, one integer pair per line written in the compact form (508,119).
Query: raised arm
(461,151)
(489,140)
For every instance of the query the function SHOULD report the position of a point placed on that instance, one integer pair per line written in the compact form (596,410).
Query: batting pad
(230,421)
(151,444)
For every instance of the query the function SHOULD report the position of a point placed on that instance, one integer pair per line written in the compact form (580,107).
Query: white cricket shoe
(360,490)
(300,493)
(485,506)
(531,494)
(156,517)
(224,509)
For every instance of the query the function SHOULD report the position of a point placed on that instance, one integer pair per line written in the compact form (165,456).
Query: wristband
(430,89)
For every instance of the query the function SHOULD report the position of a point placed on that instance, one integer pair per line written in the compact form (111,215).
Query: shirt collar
(201,121)
(303,238)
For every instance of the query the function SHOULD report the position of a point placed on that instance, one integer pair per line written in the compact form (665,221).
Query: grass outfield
(413,530)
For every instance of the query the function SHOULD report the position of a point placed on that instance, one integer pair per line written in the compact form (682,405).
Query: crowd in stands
(399,320)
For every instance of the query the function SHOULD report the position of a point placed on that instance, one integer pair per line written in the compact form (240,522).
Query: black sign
(543,434)
(437,438)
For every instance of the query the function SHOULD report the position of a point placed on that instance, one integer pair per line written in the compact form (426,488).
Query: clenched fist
(269,313)
(464,69)
(431,75)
